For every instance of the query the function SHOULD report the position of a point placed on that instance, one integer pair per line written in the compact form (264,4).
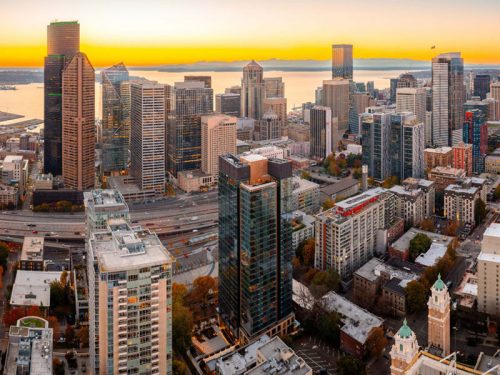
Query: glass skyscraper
(63,42)
(342,62)
(255,269)
(115,118)
(376,132)
(475,132)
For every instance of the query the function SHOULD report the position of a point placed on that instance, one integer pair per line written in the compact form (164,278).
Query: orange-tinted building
(78,123)
(462,157)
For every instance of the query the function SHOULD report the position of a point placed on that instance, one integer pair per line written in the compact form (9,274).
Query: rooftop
(33,248)
(403,243)
(439,150)
(237,362)
(358,322)
(339,186)
(374,268)
(449,171)
(122,247)
(32,288)
(301,185)
(431,256)
(99,199)
(405,331)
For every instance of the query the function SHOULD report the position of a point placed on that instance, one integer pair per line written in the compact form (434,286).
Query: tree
(182,327)
(179,367)
(64,278)
(376,341)
(328,328)
(452,228)
(497,192)
(428,225)
(54,324)
(11,316)
(418,245)
(479,211)
(4,255)
(350,365)
(327,204)
(305,252)
(325,281)
(179,292)
(83,336)
(203,286)
(357,174)
(416,296)
(305,175)
(390,182)
(70,334)
(58,366)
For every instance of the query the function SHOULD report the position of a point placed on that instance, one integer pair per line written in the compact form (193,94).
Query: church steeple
(404,350)
(439,317)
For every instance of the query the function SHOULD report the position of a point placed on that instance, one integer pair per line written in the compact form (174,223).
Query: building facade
(375,140)
(218,137)
(228,104)
(252,91)
(336,96)
(475,132)
(115,119)
(255,234)
(460,201)
(462,157)
(147,141)
(63,42)
(438,326)
(321,132)
(78,123)
(488,264)
(342,61)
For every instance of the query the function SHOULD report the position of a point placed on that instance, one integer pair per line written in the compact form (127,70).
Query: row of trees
(60,206)
(337,165)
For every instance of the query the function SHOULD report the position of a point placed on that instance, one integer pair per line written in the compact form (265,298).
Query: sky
(153,32)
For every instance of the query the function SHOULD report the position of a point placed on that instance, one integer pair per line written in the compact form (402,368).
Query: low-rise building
(433,255)
(32,254)
(460,201)
(462,157)
(342,189)
(8,196)
(32,288)
(30,347)
(444,176)
(401,247)
(305,195)
(492,162)
(129,189)
(195,180)
(44,181)
(302,227)
(263,357)
(14,171)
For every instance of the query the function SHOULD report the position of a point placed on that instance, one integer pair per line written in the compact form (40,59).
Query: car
(31,225)
(35,232)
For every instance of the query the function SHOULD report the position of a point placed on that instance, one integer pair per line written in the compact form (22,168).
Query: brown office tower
(78,123)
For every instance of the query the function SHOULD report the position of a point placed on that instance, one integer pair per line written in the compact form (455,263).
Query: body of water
(27,100)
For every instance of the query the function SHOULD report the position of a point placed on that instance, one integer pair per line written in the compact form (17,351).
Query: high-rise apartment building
(115,119)
(495,95)
(346,234)
(63,41)
(438,157)
(253,91)
(130,301)
(475,132)
(190,100)
(460,201)
(147,141)
(274,87)
(360,101)
(488,265)
(321,139)
(462,157)
(336,95)
(342,61)
(376,135)
(218,137)
(411,100)
(228,104)
(482,85)
(78,123)
(255,233)
(448,98)
(407,143)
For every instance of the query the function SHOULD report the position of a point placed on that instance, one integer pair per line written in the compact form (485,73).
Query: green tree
(179,367)
(479,211)
(328,328)
(325,281)
(497,192)
(182,328)
(305,175)
(357,173)
(416,296)
(350,365)
(418,245)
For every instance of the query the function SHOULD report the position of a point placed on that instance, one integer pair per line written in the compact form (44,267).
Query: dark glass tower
(475,132)
(115,118)
(255,268)
(63,42)
(482,85)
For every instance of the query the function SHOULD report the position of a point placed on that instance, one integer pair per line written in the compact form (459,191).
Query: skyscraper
(376,133)
(190,100)
(63,41)
(448,98)
(255,279)
(482,85)
(228,104)
(274,87)
(207,80)
(495,94)
(336,95)
(321,132)
(252,91)
(411,100)
(130,301)
(78,123)
(115,118)
(475,132)
(269,127)
(277,105)
(406,80)
(342,62)
(147,145)
(218,137)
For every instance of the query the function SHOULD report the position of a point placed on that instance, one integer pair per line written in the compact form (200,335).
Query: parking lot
(316,354)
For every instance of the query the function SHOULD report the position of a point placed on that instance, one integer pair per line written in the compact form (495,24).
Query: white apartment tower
(147,146)
(488,271)
(218,137)
(411,99)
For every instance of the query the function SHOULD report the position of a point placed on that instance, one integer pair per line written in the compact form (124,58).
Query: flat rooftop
(107,199)
(33,248)
(123,247)
(431,256)
(403,243)
(237,362)
(301,185)
(374,268)
(32,288)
